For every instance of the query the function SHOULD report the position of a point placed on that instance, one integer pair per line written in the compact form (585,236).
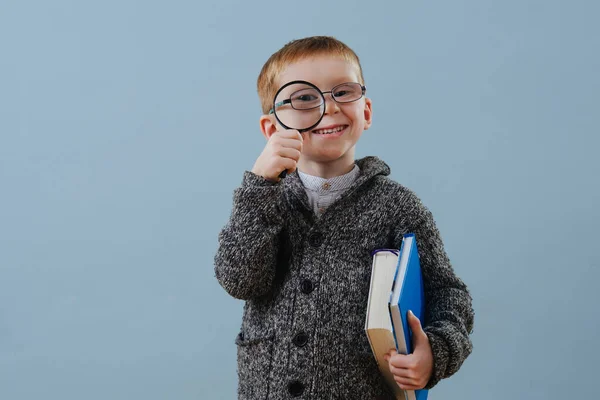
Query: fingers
(282,153)
(402,362)
(287,152)
(408,384)
(412,383)
(419,334)
(287,164)
(407,379)
(286,148)
(410,371)
(288,143)
(286,139)
(289,134)
(403,373)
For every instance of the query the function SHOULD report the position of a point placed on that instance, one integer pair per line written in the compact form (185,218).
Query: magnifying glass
(298,105)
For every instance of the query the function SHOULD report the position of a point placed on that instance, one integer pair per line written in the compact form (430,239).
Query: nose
(331,106)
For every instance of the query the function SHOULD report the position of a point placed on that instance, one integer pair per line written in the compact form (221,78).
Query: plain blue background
(126,125)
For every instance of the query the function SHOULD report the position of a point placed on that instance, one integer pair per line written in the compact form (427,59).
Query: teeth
(328,131)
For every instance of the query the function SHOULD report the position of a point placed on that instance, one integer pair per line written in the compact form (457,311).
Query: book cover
(407,294)
(378,325)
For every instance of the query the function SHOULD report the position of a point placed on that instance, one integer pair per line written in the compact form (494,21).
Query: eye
(306,97)
(346,92)
(341,93)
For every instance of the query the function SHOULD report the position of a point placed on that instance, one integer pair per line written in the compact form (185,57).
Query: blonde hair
(294,51)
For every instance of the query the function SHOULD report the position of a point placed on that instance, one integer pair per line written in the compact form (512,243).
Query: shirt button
(300,339)
(307,286)
(327,186)
(296,388)
(315,239)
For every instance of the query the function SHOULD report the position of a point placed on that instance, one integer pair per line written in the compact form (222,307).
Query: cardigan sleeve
(245,261)
(449,314)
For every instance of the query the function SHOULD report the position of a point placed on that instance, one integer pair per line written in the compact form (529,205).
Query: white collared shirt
(324,192)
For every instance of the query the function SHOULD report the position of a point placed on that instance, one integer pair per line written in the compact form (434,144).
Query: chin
(330,157)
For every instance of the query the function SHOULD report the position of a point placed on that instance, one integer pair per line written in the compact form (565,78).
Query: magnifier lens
(299,106)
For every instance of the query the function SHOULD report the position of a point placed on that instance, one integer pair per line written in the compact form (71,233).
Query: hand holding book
(397,287)
(412,371)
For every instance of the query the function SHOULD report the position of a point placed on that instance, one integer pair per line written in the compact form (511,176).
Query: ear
(267,125)
(368,113)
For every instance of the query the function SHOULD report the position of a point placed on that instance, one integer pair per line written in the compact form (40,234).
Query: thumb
(419,334)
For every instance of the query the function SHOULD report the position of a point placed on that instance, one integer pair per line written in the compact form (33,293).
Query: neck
(328,169)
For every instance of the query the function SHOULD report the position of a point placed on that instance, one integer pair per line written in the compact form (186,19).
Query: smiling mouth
(329,131)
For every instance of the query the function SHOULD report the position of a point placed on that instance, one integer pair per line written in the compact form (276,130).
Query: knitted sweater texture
(306,282)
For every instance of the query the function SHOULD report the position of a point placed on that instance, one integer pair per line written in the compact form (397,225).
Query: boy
(298,249)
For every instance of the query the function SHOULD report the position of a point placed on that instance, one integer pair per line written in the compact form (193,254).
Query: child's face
(352,118)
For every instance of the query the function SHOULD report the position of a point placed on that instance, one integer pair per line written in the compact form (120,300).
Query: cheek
(358,116)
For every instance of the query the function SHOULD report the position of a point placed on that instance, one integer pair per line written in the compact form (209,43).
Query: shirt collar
(324,186)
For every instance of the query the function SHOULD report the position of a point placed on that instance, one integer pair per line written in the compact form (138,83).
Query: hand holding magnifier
(298,105)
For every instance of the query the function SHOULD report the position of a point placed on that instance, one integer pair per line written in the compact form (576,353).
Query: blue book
(407,294)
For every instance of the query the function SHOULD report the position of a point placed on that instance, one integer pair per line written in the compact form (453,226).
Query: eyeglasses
(309,98)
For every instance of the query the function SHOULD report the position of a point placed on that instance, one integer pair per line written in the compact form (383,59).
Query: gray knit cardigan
(306,282)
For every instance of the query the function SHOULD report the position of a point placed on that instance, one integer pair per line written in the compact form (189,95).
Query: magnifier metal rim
(293,83)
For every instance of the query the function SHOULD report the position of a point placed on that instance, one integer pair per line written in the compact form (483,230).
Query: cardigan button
(315,239)
(296,388)
(307,286)
(300,339)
